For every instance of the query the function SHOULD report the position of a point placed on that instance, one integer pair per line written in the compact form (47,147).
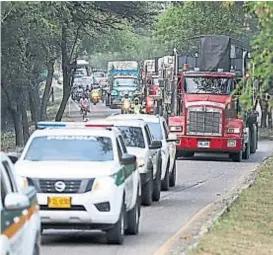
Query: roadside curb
(189,238)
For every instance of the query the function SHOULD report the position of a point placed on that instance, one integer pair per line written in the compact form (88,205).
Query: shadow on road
(73,238)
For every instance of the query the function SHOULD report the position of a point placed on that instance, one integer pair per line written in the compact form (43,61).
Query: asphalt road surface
(200,181)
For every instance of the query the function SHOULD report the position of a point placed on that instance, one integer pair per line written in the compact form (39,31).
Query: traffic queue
(95,175)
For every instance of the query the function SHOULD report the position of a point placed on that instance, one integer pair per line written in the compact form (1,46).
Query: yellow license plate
(59,202)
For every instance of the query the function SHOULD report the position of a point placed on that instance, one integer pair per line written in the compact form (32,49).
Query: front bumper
(216,144)
(83,211)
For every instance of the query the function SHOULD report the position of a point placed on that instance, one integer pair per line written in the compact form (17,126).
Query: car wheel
(165,183)
(133,218)
(157,182)
(116,234)
(173,175)
(147,190)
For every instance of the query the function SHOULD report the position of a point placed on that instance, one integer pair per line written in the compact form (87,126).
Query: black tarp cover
(215,53)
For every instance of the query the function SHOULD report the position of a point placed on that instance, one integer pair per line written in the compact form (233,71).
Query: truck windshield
(155,81)
(208,85)
(122,82)
(70,148)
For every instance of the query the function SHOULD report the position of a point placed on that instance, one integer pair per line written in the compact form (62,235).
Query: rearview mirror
(16,201)
(128,159)
(13,157)
(155,145)
(172,137)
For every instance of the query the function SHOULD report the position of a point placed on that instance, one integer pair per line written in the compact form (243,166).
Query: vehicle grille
(71,186)
(204,121)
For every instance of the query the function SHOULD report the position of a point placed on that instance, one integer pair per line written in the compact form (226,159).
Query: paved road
(200,181)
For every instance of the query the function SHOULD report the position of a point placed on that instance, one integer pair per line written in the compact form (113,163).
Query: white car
(160,131)
(20,220)
(84,177)
(139,142)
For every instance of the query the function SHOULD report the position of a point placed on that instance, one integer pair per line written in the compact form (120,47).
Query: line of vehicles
(197,95)
(95,175)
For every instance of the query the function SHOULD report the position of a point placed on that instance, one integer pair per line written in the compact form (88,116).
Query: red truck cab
(207,119)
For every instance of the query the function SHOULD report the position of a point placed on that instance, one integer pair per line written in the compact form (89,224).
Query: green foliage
(123,45)
(263,44)
(181,22)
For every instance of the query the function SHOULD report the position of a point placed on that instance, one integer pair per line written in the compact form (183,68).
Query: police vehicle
(160,131)
(20,220)
(139,142)
(85,178)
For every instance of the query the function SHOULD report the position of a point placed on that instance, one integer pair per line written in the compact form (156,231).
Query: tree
(181,22)
(78,19)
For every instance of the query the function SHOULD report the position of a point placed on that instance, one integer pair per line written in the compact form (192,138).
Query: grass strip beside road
(248,226)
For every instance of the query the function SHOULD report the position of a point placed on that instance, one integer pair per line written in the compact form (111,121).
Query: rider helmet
(126,96)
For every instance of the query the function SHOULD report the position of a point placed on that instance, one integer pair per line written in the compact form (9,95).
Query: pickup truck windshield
(133,136)
(70,148)
(156,130)
(208,85)
(128,82)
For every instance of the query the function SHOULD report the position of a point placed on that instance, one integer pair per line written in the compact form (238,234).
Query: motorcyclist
(84,104)
(126,103)
(137,108)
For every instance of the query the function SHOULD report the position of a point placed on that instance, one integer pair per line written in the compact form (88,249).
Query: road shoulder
(189,236)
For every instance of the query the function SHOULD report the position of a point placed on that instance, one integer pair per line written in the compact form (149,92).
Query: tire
(246,152)
(253,142)
(157,182)
(165,183)
(133,218)
(147,191)
(173,175)
(36,250)
(237,157)
(115,235)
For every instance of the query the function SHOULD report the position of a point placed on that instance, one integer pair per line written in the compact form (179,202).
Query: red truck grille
(204,121)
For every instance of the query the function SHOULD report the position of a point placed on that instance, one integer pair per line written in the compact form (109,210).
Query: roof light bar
(42,125)
(100,125)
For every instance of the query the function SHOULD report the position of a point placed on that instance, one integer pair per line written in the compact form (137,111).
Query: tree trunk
(34,103)
(16,117)
(47,90)
(24,122)
(66,95)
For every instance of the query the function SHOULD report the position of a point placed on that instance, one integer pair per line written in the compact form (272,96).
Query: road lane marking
(164,249)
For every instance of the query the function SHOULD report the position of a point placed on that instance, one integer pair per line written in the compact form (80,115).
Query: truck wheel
(165,183)
(253,142)
(157,182)
(246,152)
(237,157)
(133,218)
(147,191)
(173,175)
(116,234)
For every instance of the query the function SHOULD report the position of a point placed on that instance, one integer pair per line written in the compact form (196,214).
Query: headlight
(176,129)
(104,183)
(233,130)
(22,182)
(140,162)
